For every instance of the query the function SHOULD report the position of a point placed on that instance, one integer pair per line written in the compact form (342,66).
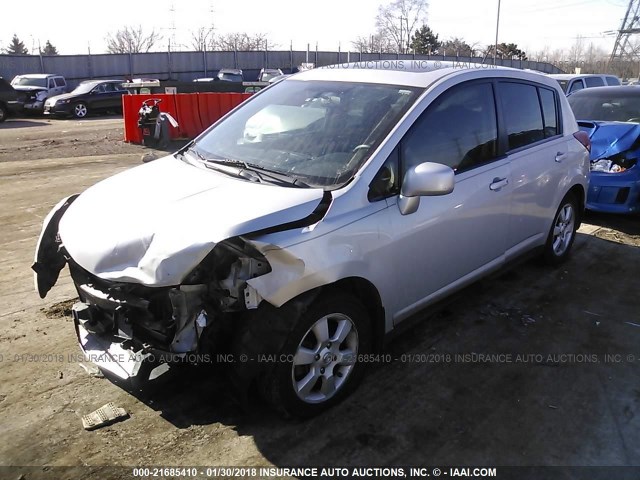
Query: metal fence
(185,66)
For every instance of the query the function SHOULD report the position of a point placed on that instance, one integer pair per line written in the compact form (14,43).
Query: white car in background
(37,87)
(301,229)
(571,83)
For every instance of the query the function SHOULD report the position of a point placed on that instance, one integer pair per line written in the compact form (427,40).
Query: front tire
(80,110)
(563,231)
(319,364)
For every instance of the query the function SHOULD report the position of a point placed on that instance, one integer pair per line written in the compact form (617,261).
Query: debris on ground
(60,309)
(103,416)
(92,370)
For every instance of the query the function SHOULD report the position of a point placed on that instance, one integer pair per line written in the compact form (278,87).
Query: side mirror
(425,179)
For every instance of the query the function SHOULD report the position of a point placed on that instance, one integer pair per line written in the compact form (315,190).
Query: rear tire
(563,231)
(319,363)
(3,113)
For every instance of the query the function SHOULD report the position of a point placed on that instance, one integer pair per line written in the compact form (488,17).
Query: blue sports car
(611,117)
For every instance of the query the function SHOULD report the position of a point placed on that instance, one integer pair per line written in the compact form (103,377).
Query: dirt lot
(576,407)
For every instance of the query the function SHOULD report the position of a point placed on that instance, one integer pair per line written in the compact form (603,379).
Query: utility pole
(495,51)
(623,49)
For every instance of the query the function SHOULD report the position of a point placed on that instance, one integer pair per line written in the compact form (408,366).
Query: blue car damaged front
(611,118)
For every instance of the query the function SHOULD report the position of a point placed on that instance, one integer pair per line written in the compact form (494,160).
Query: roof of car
(39,75)
(110,80)
(230,70)
(414,73)
(618,90)
(569,76)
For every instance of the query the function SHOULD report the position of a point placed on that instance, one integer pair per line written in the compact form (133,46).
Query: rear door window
(458,130)
(60,82)
(594,82)
(522,114)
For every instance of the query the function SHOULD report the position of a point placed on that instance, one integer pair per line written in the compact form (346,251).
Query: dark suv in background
(9,103)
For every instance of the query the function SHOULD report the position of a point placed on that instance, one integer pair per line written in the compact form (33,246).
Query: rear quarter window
(60,82)
(613,81)
(549,112)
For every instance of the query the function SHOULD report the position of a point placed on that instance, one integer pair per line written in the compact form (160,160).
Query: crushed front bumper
(614,192)
(117,355)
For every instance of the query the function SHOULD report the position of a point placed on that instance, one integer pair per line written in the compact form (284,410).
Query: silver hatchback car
(298,231)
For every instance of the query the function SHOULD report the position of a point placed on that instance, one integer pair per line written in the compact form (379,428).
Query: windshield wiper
(261,171)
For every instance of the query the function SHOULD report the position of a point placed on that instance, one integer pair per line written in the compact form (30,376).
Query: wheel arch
(368,295)
(579,193)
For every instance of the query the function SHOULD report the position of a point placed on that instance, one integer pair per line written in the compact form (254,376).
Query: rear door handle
(498,183)
(560,156)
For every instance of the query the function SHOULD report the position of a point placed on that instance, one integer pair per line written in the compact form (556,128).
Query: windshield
(319,132)
(84,88)
(30,82)
(230,77)
(266,76)
(606,107)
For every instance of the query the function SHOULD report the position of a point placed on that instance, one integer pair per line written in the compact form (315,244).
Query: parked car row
(46,93)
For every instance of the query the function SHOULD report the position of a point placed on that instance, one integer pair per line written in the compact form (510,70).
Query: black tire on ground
(3,113)
(80,110)
(330,364)
(563,231)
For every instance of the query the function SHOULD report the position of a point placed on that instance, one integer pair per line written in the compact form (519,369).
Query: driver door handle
(498,183)
(560,156)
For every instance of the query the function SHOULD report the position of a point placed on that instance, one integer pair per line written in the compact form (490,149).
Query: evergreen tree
(16,47)
(424,41)
(49,49)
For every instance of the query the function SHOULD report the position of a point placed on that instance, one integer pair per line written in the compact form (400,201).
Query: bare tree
(577,50)
(241,42)
(397,21)
(457,46)
(201,38)
(372,44)
(132,39)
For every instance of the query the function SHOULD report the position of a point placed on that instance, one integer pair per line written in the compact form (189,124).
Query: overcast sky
(72,27)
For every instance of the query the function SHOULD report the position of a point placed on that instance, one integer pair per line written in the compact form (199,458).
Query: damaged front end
(614,185)
(162,325)
(123,326)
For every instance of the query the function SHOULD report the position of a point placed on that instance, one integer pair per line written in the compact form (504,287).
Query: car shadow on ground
(629,224)
(22,123)
(541,395)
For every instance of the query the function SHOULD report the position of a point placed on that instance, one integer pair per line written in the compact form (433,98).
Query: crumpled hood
(28,88)
(154,223)
(609,138)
